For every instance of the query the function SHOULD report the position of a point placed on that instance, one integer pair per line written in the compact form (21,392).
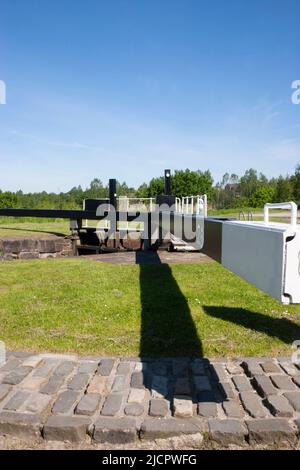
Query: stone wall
(33,248)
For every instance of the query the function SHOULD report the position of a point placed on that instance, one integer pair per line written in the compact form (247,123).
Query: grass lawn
(89,307)
(18,227)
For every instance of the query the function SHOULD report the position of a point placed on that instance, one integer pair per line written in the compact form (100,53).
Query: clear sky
(126,88)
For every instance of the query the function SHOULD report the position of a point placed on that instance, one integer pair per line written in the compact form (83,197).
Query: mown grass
(88,307)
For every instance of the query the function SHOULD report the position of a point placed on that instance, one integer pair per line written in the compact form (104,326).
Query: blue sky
(126,88)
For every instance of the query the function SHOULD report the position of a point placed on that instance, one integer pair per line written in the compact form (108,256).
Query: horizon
(126,89)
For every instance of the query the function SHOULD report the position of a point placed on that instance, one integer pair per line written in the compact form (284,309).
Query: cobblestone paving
(123,400)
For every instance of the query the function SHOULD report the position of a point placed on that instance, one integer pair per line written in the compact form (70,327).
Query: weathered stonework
(35,248)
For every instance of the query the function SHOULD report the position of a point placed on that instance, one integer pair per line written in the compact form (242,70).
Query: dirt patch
(150,257)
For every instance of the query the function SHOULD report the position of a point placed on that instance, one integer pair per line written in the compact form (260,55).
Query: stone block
(159,408)
(153,428)
(21,425)
(294,399)
(106,366)
(183,406)
(66,428)
(242,383)
(279,406)
(270,431)
(227,431)
(112,404)
(253,405)
(115,430)
(88,404)
(65,402)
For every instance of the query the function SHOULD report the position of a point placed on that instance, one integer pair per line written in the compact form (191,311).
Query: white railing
(192,205)
(185,205)
(292,206)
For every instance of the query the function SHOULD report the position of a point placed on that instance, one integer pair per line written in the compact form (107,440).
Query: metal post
(113,193)
(167,182)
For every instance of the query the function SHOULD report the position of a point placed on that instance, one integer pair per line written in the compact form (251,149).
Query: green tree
(295,180)
(284,190)
(262,196)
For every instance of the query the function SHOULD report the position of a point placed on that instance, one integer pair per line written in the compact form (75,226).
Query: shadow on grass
(284,329)
(167,327)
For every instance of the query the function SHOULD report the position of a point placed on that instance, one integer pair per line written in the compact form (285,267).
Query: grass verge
(94,308)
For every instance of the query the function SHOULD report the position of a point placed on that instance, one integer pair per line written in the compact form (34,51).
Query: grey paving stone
(106,366)
(270,367)
(79,382)
(182,386)
(66,428)
(16,401)
(180,367)
(138,380)
(283,382)
(32,383)
(227,390)
(242,383)
(53,385)
(115,430)
(112,404)
(87,367)
(123,368)
(159,386)
(46,368)
(227,431)
(202,384)
(119,383)
(208,410)
(294,399)
(206,397)
(252,367)
(289,368)
(264,386)
(279,406)
(296,380)
(159,408)
(32,361)
(253,405)
(17,375)
(22,425)
(98,384)
(88,404)
(274,430)
(183,406)
(234,369)
(92,358)
(197,367)
(141,367)
(233,409)
(153,428)
(134,409)
(65,368)
(218,372)
(136,395)
(159,368)
(37,403)
(4,391)
(10,365)
(65,402)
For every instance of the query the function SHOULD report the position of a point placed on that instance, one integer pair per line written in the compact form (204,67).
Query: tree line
(253,189)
